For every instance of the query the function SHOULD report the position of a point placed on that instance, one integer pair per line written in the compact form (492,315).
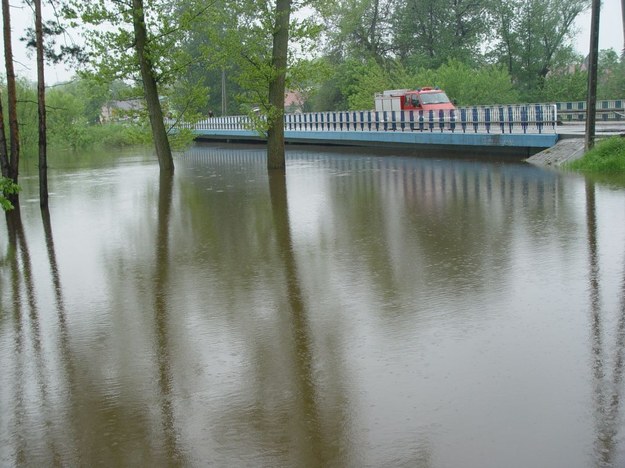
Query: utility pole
(623,24)
(591,98)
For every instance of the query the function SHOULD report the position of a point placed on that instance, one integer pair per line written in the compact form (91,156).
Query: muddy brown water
(362,311)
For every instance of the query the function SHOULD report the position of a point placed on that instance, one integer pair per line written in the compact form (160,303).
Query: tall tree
(142,41)
(210,71)
(360,28)
(47,51)
(258,42)
(431,32)
(41,108)
(12,170)
(275,134)
(611,74)
(533,37)
(150,88)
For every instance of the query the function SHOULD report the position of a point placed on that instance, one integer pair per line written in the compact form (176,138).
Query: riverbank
(570,145)
(565,150)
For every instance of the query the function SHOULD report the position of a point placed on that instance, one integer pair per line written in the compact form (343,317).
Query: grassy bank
(607,157)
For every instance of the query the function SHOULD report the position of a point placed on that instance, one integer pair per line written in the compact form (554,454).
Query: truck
(425,99)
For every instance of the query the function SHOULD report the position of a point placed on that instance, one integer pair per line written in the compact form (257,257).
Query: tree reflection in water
(66,356)
(22,275)
(310,441)
(18,418)
(353,321)
(607,393)
(161,311)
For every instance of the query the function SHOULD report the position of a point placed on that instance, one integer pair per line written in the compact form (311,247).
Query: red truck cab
(419,99)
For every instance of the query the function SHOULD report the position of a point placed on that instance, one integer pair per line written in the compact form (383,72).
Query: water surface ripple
(361,311)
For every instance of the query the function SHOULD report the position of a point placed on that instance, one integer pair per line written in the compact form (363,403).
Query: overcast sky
(610,28)
(611,36)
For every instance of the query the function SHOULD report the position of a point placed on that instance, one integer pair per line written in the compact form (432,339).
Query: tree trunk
(150,89)
(14,135)
(41,109)
(591,98)
(4,154)
(275,135)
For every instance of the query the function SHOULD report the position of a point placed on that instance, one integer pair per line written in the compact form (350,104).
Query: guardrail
(527,118)
(607,110)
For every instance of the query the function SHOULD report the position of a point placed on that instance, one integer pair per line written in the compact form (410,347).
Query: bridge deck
(517,143)
(518,129)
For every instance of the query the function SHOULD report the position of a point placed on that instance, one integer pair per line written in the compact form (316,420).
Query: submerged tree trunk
(275,135)
(41,110)
(4,155)
(150,89)
(14,136)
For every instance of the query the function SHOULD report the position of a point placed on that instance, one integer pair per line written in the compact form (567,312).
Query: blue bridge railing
(527,118)
(607,110)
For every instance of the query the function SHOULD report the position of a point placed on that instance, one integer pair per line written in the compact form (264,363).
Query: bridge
(522,130)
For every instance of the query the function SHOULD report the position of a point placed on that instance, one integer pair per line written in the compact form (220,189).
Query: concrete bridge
(520,130)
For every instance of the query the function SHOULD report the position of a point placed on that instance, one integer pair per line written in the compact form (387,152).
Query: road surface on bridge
(578,130)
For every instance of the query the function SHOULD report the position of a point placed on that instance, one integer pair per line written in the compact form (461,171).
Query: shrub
(607,157)
(7,187)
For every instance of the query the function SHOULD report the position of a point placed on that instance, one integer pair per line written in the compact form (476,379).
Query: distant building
(120,110)
(293,102)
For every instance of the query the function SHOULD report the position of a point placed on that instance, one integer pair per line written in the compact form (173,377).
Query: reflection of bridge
(517,129)
(421,180)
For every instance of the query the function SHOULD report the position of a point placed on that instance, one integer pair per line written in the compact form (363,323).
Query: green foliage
(429,33)
(26,116)
(479,52)
(607,157)
(73,117)
(181,139)
(147,43)
(186,101)
(7,187)
(466,85)
(361,81)
(354,82)
(66,119)
(244,44)
(611,77)
(469,86)
(359,29)
(305,77)
(533,38)
(333,93)
(121,134)
(560,87)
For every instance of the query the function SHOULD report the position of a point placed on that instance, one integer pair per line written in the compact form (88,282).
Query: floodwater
(363,311)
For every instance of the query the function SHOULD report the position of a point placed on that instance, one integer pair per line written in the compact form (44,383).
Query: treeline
(79,116)
(354,83)
(211,59)
(76,120)
(479,51)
